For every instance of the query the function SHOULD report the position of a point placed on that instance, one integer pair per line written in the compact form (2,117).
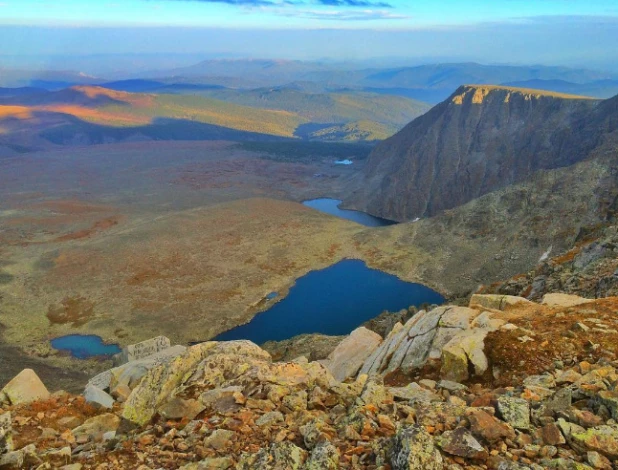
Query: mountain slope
(481,139)
(278,113)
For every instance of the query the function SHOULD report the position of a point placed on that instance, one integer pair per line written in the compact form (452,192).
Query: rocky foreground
(504,383)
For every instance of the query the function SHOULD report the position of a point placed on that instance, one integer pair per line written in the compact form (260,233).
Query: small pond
(331,206)
(333,301)
(84,346)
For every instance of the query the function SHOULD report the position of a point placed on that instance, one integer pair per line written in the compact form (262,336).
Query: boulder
(25,387)
(415,393)
(219,439)
(96,427)
(160,383)
(324,456)
(487,427)
(413,449)
(281,455)
(601,439)
(351,353)
(464,350)
(131,373)
(93,394)
(564,300)
(141,350)
(462,444)
(496,301)
(212,463)
(423,337)
(515,411)
(179,408)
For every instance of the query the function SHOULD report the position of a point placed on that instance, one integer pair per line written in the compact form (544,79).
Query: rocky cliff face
(481,139)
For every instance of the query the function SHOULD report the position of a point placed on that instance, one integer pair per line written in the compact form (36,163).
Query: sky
(556,32)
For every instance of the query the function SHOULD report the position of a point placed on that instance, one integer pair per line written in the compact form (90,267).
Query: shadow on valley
(80,132)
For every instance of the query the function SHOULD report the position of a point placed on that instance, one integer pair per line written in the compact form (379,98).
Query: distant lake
(333,301)
(84,346)
(331,206)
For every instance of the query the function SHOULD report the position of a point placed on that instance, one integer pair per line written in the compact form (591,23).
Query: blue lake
(84,346)
(331,206)
(333,301)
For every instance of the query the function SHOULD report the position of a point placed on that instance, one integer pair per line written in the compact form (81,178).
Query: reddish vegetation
(75,310)
(99,226)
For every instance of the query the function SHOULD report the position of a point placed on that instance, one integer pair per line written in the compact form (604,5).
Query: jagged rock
(272,417)
(351,353)
(414,392)
(461,444)
(564,300)
(514,411)
(497,302)
(324,456)
(142,350)
(312,433)
(280,456)
(487,427)
(545,381)
(159,383)
(609,399)
(213,463)
(423,337)
(22,458)
(95,427)
(465,349)
(551,435)
(179,408)
(222,400)
(131,373)
(598,461)
(93,394)
(602,439)
(25,387)
(6,433)
(414,449)
(219,439)
(313,346)
(451,386)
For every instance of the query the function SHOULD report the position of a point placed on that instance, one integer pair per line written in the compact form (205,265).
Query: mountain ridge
(482,138)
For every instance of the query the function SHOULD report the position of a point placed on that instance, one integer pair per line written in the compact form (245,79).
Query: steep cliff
(481,139)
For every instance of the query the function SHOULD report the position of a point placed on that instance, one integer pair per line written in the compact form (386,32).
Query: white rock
(351,353)
(93,394)
(25,387)
(564,300)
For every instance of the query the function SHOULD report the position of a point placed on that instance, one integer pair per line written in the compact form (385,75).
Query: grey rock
(6,433)
(93,394)
(414,449)
(515,411)
(324,456)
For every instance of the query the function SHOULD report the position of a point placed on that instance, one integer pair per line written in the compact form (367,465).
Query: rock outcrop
(482,138)
(451,334)
(547,399)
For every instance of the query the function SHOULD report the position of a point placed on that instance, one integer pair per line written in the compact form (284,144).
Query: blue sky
(550,32)
(283,14)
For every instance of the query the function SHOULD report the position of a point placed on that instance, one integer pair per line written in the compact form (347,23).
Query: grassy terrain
(281,113)
(307,152)
(328,107)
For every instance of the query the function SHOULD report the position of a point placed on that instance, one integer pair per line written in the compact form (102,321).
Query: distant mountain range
(430,83)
